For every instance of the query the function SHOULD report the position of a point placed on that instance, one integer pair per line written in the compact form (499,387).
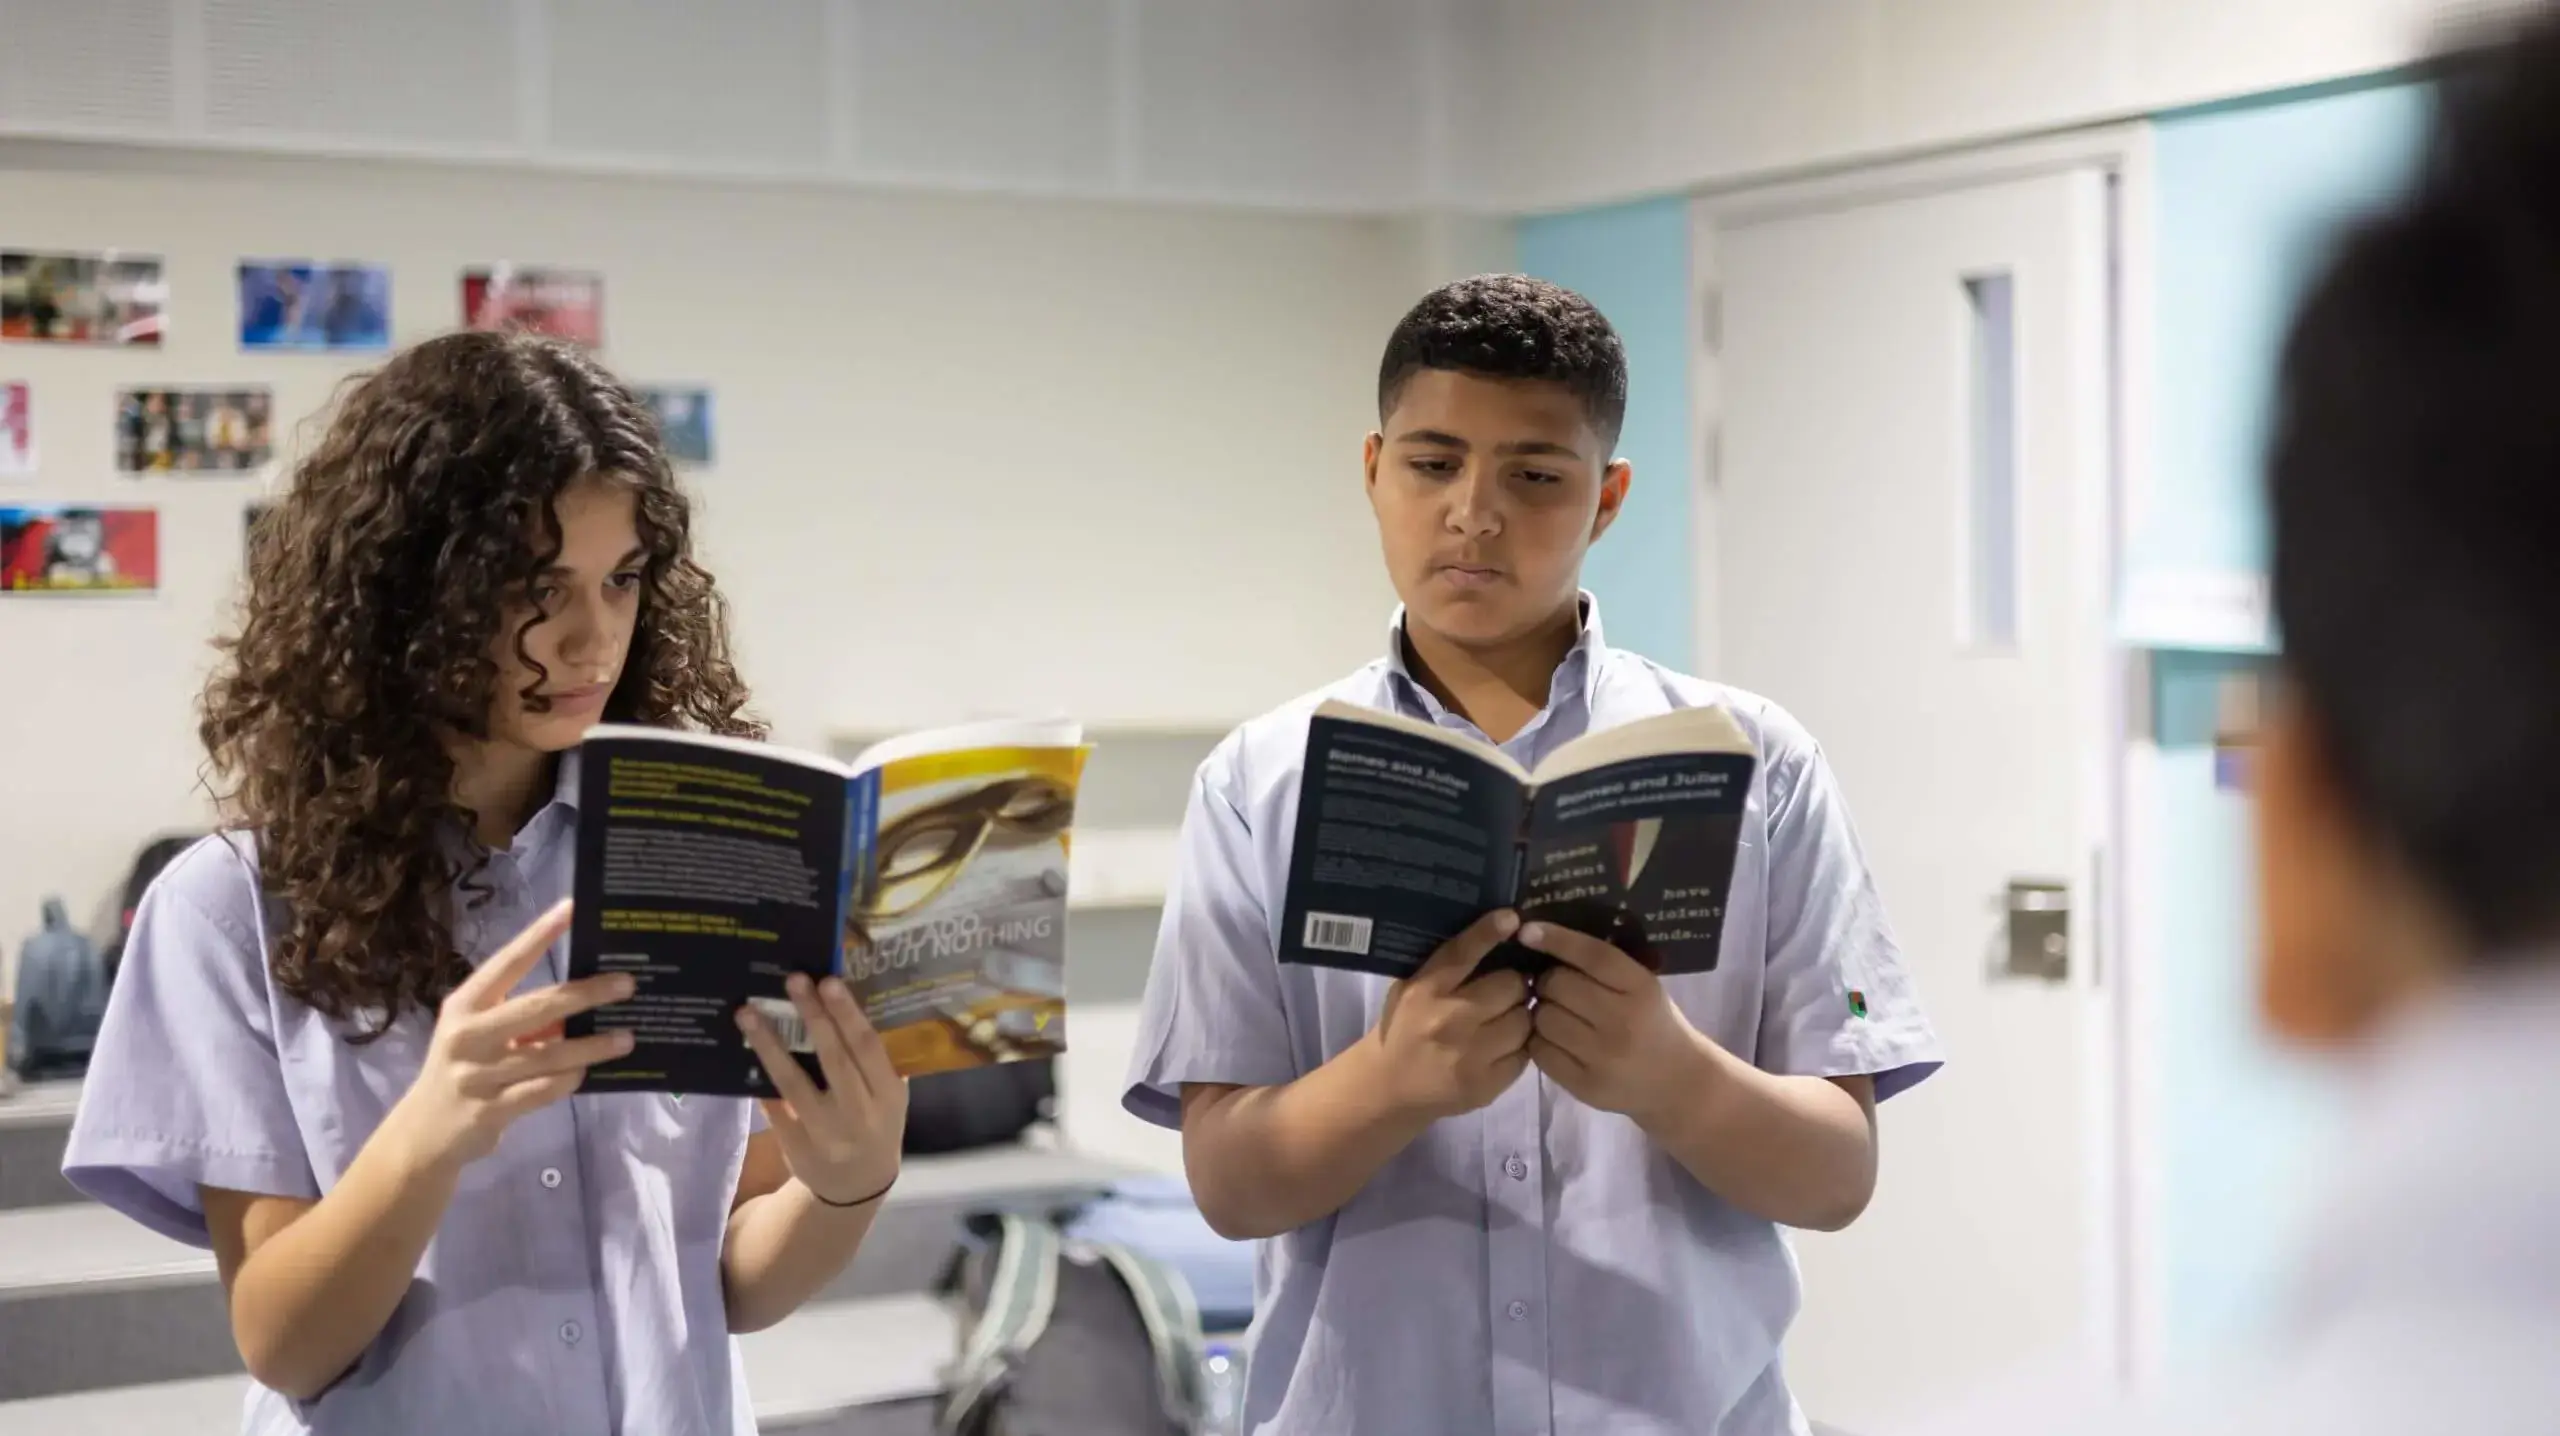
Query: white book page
(1683,730)
(1377,718)
(960,738)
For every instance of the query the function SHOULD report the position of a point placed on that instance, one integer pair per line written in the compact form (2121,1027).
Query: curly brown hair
(375,593)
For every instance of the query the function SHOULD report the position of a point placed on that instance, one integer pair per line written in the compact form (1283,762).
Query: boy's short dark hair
(1509,326)
(2415,488)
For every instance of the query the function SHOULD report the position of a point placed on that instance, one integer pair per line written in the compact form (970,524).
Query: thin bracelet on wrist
(858,1202)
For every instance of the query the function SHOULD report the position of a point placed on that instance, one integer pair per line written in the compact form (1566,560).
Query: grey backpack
(1062,1336)
(61,999)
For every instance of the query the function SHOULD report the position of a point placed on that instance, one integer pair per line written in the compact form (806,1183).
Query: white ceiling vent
(1004,92)
(691,81)
(103,67)
(1283,102)
(430,75)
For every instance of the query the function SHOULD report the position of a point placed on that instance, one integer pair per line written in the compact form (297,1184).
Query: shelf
(1120,867)
(2210,611)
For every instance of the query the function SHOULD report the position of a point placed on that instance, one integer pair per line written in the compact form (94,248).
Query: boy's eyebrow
(1433,437)
(1521,449)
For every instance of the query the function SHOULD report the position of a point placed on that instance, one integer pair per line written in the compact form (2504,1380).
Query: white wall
(1553,105)
(1371,106)
(974,454)
(1301,103)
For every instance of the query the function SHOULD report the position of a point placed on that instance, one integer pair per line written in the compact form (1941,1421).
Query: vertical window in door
(1990,619)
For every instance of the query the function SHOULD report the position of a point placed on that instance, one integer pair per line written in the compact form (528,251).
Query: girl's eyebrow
(639,551)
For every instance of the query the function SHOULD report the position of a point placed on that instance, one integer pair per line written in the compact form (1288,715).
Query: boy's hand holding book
(1451,1044)
(1605,1029)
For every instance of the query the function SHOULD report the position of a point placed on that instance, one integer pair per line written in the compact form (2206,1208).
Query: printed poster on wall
(79,549)
(564,303)
(60,298)
(187,431)
(303,305)
(684,421)
(17,429)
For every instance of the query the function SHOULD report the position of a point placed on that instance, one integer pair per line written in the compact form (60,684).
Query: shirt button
(1516,1169)
(1519,1310)
(551,1178)
(570,1333)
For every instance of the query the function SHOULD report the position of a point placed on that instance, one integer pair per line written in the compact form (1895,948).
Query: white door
(1910,555)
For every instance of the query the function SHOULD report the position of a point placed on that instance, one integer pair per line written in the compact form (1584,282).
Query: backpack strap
(1172,1320)
(1021,1295)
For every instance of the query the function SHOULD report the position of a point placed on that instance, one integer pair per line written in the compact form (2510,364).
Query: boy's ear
(1370,448)
(2344,935)
(1615,480)
(2305,888)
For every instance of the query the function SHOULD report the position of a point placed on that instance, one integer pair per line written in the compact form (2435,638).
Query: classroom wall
(974,454)
(1313,104)
(1491,106)
(1559,106)
(1633,262)
(2247,199)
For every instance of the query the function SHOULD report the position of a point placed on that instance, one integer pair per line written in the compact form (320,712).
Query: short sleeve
(1212,1009)
(1838,999)
(184,1087)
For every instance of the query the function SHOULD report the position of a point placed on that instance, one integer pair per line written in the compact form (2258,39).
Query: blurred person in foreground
(2409,800)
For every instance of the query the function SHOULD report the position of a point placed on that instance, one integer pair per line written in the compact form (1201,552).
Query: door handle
(2037,943)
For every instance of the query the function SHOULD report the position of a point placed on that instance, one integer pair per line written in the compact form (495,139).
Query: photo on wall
(17,429)
(79,548)
(59,298)
(187,431)
(684,421)
(299,304)
(564,303)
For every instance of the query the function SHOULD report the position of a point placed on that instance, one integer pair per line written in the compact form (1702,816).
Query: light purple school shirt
(1537,1266)
(573,1286)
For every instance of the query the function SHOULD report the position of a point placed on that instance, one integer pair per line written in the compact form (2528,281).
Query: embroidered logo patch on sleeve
(1857,1003)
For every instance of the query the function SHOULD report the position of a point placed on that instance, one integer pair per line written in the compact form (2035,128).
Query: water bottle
(1221,1390)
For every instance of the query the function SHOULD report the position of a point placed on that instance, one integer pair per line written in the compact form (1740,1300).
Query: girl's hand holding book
(843,1141)
(494,1058)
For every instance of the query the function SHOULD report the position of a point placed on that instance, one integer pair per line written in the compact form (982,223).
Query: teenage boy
(2408,801)
(1481,1216)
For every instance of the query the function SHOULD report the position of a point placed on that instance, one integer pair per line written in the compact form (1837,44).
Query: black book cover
(709,871)
(1406,837)
(1401,842)
(1639,854)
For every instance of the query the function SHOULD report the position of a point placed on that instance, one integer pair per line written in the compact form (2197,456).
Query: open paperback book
(930,873)
(1407,833)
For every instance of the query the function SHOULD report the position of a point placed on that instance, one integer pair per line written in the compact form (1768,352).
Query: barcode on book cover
(786,1021)
(1332,932)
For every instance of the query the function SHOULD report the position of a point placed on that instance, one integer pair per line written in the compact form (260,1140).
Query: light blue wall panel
(1633,261)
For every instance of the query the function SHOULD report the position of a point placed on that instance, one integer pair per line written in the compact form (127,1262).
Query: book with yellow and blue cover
(930,873)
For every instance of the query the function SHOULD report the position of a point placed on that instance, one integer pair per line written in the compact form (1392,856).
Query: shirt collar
(564,796)
(1576,675)
(564,790)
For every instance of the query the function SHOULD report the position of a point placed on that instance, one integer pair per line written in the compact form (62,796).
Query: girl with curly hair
(334,1054)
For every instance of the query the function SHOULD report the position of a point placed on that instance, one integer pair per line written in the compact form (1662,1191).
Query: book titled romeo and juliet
(1407,833)
(930,873)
